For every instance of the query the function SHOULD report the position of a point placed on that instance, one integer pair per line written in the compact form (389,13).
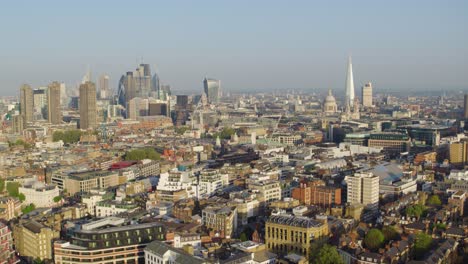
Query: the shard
(349,85)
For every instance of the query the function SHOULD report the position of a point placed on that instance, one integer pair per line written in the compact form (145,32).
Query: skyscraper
(367,95)
(54,109)
(349,85)
(465,108)
(26,103)
(212,88)
(88,111)
(104,91)
(135,84)
(40,102)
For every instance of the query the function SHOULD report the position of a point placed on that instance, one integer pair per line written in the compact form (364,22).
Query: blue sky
(398,45)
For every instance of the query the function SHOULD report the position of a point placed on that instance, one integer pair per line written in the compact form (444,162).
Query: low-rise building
(221,220)
(99,243)
(7,253)
(39,194)
(34,240)
(285,233)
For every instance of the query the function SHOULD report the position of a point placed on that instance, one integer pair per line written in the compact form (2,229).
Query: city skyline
(274,46)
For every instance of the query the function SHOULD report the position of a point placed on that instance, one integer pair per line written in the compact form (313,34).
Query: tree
(243,237)
(29,208)
(415,210)
(315,247)
(434,200)
(226,133)
(181,130)
(422,244)
(390,233)
(12,188)
(21,197)
(374,239)
(2,185)
(68,136)
(140,154)
(328,255)
(57,199)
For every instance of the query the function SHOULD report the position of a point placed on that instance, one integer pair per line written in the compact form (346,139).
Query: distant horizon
(398,45)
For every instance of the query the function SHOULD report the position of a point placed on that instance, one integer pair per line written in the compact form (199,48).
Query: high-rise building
(26,103)
(104,91)
(367,95)
(212,88)
(17,124)
(164,92)
(40,102)
(349,85)
(156,108)
(465,108)
(459,152)
(88,109)
(363,188)
(135,84)
(54,109)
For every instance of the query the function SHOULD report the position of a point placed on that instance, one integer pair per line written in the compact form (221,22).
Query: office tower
(465,108)
(181,101)
(104,91)
(74,103)
(349,85)
(54,109)
(135,84)
(88,111)
(212,87)
(367,95)
(157,109)
(458,153)
(156,86)
(363,188)
(165,91)
(26,103)
(40,102)
(64,98)
(142,79)
(17,124)
(137,107)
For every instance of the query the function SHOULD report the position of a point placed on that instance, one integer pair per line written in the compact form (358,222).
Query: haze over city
(250,45)
(234,132)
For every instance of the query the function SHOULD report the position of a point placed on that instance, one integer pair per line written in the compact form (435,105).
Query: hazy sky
(246,44)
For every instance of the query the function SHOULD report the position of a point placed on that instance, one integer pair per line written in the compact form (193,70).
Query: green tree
(12,188)
(390,233)
(422,244)
(21,197)
(415,210)
(434,200)
(57,199)
(38,261)
(68,136)
(29,208)
(140,154)
(2,185)
(243,237)
(328,255)
(374,239)
(315,247)
(181,130)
